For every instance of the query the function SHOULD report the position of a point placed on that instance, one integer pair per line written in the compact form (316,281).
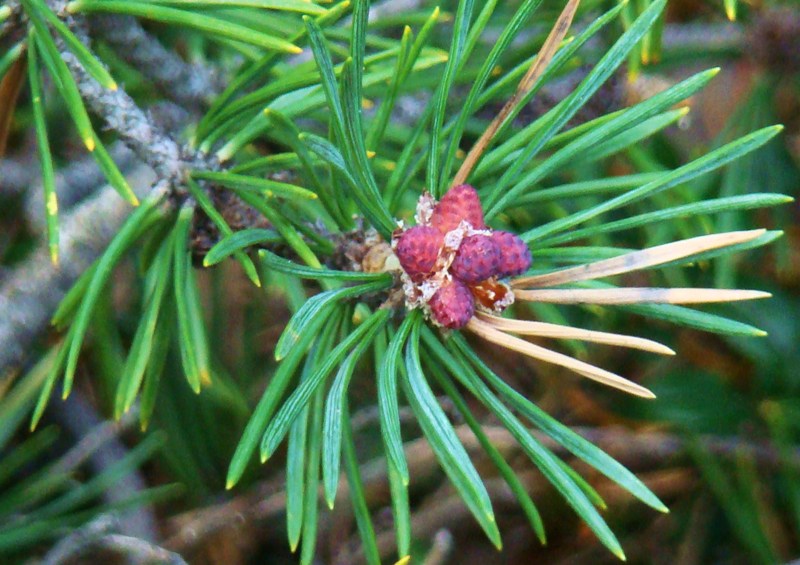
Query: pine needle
(543,329)
(538,67)
(637,295)
(637,260)
(492,334)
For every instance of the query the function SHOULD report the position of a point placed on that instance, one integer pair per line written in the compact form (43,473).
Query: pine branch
(98,442)
(191,85)
(15,176)
(76,182)
(73,545)
(265,501)
(97,537)
(33,291)
(122,115)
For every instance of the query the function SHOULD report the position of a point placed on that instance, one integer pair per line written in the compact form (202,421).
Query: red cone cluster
(477,259)
(457,250)
(418,249)
(460,203)
(515,258)
(452,306)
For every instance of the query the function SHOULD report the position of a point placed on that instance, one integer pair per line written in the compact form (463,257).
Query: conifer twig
(98,537)
(97,442)
(15,176)
(31,295)
(73,545)
(32,292)
(191,85)
(75,182)
(121,114)
(264,502)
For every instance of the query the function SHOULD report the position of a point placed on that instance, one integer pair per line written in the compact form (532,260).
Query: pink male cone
(515,257)
(460,203)
(452,306)
(417,249)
